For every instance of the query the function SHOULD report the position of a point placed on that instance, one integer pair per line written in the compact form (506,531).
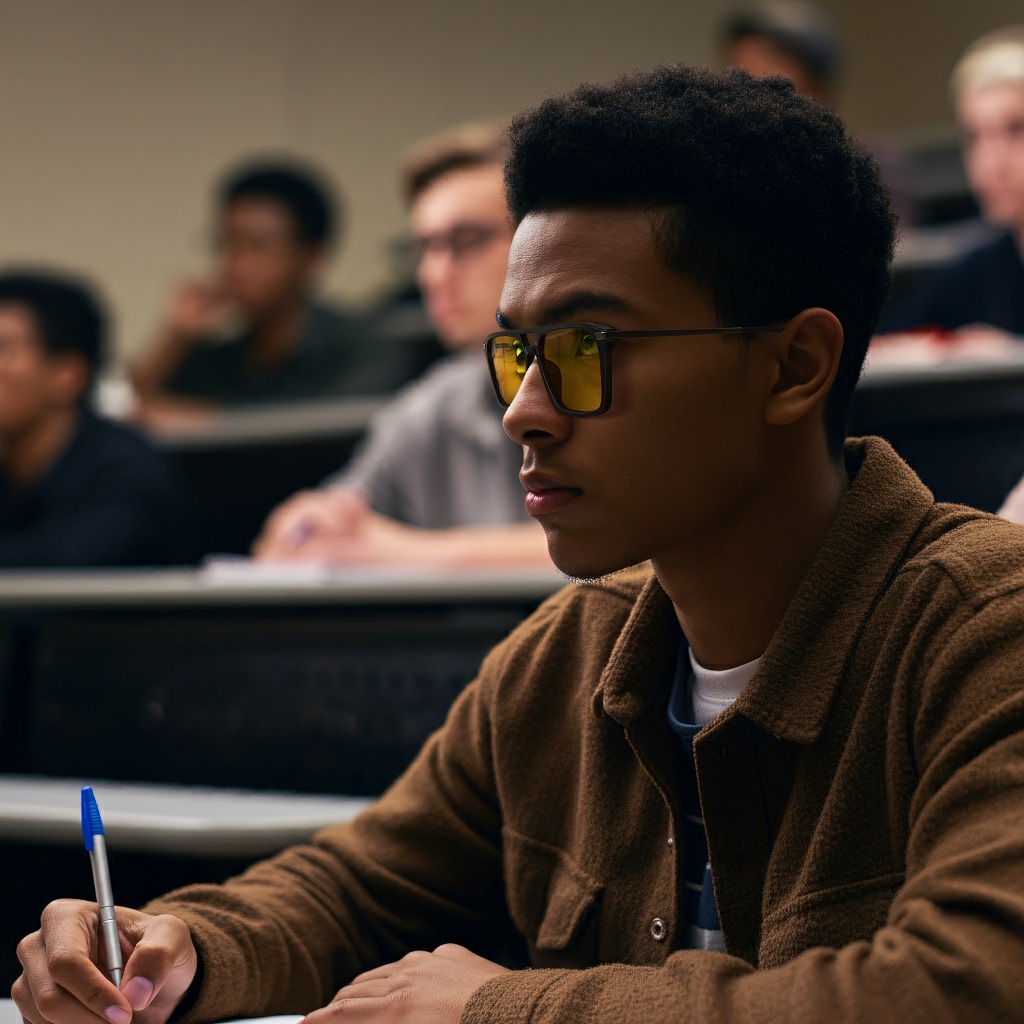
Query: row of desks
(305,693)
(318,683)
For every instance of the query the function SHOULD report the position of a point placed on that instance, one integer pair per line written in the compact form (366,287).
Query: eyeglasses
(459,242)
(574,361)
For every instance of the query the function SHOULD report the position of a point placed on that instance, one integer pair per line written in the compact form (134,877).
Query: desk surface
(888,373)
(247,583)
(167,819)
(274,424)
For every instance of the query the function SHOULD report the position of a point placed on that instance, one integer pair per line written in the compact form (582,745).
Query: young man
(252,332)
(75,490)
(437,480)
(785,37)
(821,661)
(987,285)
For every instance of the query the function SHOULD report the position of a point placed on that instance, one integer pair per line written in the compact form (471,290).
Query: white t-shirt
(712,691)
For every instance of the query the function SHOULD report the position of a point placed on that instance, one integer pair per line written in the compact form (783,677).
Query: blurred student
(987,285)
(437,480)
(75,490)
(800,42)
(252,331)
(788,38)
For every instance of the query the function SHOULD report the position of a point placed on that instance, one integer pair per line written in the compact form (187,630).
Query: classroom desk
(140,817)
(158,837)
(304,682)
(239,465)
(959,424)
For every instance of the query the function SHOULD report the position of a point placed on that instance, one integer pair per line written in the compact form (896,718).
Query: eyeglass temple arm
(768,329)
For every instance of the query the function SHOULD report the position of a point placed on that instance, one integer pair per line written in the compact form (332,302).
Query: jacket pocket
(552,901)
(831,917)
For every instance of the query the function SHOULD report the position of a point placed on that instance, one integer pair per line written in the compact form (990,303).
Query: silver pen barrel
(105,899)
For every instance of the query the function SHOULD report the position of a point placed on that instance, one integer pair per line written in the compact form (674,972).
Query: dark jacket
(984,287)
(108,500)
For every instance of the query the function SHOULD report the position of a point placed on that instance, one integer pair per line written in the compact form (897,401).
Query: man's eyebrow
(572,307)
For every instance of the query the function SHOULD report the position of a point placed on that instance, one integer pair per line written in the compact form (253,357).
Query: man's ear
(806,357)
(69,377)
(315,260)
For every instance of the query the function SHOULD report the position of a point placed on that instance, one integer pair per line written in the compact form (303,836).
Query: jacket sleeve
(952,946)
(421,867)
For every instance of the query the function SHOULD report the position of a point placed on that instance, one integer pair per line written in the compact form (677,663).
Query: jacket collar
(799,672)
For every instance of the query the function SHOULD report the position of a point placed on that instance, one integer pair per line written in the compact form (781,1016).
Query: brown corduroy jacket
(864,803)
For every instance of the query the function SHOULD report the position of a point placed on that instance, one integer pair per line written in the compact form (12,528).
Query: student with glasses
(436,481)
(771,774)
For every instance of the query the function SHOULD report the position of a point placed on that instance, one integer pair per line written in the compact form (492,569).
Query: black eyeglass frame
(606,339)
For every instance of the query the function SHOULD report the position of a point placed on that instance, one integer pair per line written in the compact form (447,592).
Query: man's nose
(532,416)
(434,268)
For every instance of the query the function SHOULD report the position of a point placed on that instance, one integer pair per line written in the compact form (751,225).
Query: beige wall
(118,114)
(900,56)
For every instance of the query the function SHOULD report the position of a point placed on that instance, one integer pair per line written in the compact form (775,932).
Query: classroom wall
(118,114)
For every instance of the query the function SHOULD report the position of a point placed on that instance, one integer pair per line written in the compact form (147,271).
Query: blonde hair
(474,144)
(996,58)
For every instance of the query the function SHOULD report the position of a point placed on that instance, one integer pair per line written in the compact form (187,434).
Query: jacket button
(671,842)
(658,929)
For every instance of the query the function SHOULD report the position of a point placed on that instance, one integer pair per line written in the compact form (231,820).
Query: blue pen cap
(92,823)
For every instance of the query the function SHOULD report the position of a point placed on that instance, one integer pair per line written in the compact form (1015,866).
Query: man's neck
(276,335)
(731,591)
(29,454)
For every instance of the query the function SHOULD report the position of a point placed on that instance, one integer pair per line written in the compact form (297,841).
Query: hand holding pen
(61,978)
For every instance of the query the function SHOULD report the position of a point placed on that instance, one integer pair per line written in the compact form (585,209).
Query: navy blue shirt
(109,499)
(985,287)
(701,928)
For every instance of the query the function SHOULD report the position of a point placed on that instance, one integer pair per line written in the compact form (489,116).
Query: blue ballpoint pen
(95,843)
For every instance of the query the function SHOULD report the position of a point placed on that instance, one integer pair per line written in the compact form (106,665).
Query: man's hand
(421,988)
(62,984)
(199,309)
(302,527)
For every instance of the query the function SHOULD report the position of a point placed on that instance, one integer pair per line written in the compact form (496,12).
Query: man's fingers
(59,963)
(161,966)
(62,984)
(48,1003)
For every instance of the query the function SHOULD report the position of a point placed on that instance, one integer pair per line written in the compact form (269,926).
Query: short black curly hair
(69,314)
(764,198)
(315,207)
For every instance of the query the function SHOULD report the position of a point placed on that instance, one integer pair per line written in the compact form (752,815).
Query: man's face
(992,122)
(32,382)
(460,222)
(673,461)
(261,262)
(762,57)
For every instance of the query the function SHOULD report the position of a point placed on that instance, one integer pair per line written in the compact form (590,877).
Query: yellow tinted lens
(573,365)
(509,362)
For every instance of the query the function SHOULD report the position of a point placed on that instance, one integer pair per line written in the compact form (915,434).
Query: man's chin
(579,568)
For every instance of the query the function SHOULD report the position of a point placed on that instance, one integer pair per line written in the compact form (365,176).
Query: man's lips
(545,495)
